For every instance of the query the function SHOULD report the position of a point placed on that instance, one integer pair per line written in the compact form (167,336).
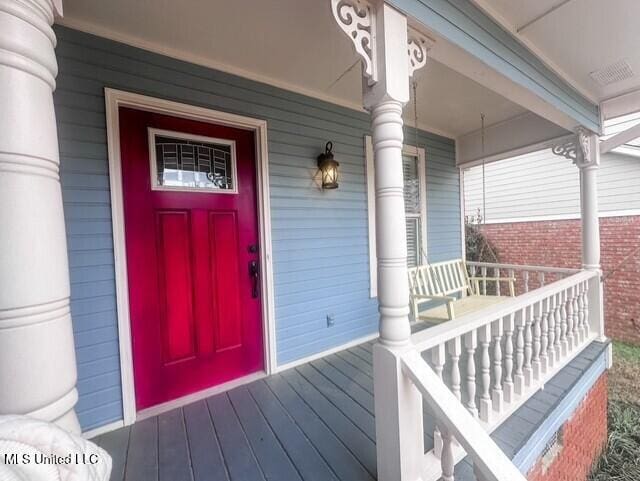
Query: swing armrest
(439,298)
(505,279)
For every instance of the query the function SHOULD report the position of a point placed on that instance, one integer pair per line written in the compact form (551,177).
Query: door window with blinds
(415,206)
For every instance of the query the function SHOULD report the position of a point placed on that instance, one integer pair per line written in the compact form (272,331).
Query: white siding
(542,185)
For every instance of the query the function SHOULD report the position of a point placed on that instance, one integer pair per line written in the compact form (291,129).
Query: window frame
(152,132)
(407,150)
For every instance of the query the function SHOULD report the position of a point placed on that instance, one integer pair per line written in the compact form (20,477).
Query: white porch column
(37,357)
(588,161)
(585,153)
(380,36)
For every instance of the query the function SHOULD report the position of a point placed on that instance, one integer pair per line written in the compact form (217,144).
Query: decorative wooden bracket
(357,19)
(580,151)
(566,149)
(419,46)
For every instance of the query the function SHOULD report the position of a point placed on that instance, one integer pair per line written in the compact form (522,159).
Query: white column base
(398,413)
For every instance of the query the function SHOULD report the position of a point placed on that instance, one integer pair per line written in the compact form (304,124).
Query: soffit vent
(615,72)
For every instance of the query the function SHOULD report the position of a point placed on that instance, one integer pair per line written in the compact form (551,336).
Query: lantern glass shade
(328,167)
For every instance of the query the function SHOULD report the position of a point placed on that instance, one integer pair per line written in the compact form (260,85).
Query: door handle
(254,273)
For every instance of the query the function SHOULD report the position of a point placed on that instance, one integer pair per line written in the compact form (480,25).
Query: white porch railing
(490,362)
(527,277)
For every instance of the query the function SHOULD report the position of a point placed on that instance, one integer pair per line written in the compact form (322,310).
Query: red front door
(192,254)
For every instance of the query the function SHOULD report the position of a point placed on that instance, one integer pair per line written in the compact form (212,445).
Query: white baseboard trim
(333,350)
(197,396)
(92,433)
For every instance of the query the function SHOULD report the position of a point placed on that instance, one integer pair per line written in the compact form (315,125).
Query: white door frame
(114,99)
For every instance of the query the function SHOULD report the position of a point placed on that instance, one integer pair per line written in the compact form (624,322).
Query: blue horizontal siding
(320,239)
(465,25)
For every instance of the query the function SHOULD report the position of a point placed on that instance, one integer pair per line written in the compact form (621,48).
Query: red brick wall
(557,243)
(584,438)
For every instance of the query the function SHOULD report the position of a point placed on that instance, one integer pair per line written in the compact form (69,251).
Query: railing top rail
(560,270)
(434,336)
(487,457)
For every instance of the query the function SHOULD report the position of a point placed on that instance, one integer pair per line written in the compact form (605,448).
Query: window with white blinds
(415,204)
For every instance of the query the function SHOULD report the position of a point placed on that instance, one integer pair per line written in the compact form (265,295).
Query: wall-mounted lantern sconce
(328,168)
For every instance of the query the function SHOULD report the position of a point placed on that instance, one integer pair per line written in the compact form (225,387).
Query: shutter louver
(411,185)
(413,242)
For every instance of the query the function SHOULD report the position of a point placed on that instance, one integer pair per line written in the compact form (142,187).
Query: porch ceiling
(293,44)
(577,38)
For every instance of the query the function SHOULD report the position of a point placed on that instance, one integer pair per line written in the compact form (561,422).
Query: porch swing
(449,283)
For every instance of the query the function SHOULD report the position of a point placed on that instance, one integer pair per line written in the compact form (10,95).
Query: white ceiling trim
(178,54)
(620,105)
(513,30)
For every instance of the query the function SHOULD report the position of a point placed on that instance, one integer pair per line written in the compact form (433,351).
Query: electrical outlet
(330,320)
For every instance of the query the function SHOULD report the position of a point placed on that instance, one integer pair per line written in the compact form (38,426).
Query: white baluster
(512,274)
(438,358)
(454,348)
(508,358)
(537,340)
(525,276)
(551,349)
(528,344)
(447,460)
(564,342)
(544,337)
(577,328)
(558,317)
(470,343)
(484,334)
(496,274)
(571,341)
(541,276)
(484,281)
(497,396)
(519,377)
(585,310)
(474,284)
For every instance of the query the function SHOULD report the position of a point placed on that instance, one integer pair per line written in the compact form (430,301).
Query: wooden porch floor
(314,422)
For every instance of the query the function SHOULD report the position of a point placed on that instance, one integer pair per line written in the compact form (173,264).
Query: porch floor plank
(314,422)
(174,462)
(269,452)
(142,457)
(358,415)
(350,371)
(206,455)
(356,362)
(239,457)
(309,462)
(116,443)
(341,460)
(363,354)
(351,435)
(361,396)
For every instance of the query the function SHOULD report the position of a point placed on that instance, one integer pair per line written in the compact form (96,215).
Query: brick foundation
(584,438)
(557,244)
